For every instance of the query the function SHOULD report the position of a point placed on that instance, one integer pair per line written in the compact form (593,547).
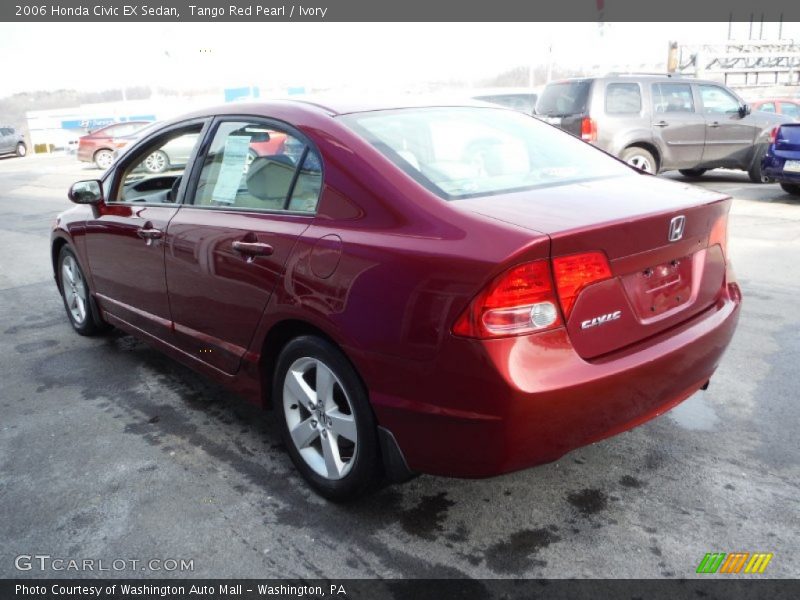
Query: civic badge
(676,227)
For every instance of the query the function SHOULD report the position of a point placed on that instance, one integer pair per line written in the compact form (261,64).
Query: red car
(455,290)
(99,145)
(782,106)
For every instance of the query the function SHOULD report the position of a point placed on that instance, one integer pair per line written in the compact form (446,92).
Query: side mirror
(744,110)
(86,192)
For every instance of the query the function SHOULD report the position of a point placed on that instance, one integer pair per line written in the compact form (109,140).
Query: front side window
(767,107)
(717,100)
(623,98)
(259,167)
(152,173)
(466,152)
(672,97)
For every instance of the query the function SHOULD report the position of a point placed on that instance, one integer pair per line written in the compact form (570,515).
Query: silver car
(662,123)
(12,142)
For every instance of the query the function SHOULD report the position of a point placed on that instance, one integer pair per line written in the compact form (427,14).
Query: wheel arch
(280,334)
(55,250)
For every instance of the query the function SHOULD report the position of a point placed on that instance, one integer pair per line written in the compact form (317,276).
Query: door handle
(713,124)
(148,232)
(252,249)
(661,124)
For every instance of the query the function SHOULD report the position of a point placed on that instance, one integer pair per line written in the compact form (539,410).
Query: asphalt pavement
(111,451)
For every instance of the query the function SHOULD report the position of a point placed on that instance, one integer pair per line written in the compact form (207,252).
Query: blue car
(782,161)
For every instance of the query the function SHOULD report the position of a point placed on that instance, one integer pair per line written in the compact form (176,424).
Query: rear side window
(258,167)
(767,107)
(623,98)
(564,98)
(672,97)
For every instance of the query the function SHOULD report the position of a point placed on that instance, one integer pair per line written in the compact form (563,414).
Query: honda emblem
(676,227)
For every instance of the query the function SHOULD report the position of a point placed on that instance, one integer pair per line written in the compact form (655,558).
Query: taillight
(521,300)
(588,129)
(573,273)
(773,134)
(719,235)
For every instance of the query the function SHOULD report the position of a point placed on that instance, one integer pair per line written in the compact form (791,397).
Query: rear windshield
(564,98)
(468,152)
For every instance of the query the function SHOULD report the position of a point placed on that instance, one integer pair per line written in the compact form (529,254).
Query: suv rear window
(623,98)
(564,98)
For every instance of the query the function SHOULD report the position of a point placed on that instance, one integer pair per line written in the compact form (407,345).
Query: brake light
(588,129)
(521,300)
(773,134)
(719,235)
(575,272)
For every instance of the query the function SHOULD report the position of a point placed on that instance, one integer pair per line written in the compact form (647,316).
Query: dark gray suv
(662,123)
(12,142)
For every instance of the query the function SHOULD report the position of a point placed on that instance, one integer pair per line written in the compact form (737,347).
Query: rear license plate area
(792,166)
(661,288)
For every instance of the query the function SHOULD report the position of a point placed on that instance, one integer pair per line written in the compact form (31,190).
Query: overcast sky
(97,56)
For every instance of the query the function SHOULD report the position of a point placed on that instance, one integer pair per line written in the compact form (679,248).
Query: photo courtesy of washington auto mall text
(380,300)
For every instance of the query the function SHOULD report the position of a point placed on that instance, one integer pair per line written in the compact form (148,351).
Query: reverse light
(588,129)
(521,300)
(576,271)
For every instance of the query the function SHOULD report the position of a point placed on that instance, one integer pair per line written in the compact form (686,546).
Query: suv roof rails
(635,74)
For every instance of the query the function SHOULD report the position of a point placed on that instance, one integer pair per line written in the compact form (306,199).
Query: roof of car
(336,105)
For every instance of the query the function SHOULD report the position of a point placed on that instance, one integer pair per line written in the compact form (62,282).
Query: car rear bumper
(488,408)
(773,164)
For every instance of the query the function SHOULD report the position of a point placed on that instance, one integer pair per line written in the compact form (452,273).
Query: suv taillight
(773,134)
(521,300)
(575,272)
(588,129)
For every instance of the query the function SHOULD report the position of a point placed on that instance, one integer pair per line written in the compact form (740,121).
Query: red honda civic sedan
(454,290)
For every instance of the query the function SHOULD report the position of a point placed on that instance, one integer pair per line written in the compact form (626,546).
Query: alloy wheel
(156,162)
(320,418)
(74,290)
(641,163)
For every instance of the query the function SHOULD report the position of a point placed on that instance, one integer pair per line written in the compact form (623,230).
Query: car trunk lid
(656,236)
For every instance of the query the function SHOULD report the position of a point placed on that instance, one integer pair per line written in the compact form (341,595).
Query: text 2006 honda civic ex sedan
(455,290)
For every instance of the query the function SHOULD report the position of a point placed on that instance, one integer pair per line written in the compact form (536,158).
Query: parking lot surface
(109,450)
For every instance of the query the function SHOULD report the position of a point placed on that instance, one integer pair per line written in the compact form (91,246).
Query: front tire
(76,296)
(640,158)
(791,188)
(326,419)
(22,150)
(156,162)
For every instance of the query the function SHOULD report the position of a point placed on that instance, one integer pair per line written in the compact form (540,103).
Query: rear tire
(333,440)
(791,188)
(640,158)
(692,173)
(81,310)
(103,159)
(22,150)
(754,172)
